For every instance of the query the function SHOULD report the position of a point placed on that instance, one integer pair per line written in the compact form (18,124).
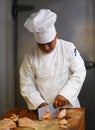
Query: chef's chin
(48,51)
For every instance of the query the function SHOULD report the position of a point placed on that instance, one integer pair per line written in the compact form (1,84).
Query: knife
(51,108)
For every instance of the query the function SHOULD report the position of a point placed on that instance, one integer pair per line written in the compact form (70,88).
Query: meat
(15,121)
(61,119)
(7,123)
(46,115)
(63,123)
(61,114)
(14,117)
(26,122)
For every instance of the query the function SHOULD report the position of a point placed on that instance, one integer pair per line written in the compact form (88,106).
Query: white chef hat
(41,24)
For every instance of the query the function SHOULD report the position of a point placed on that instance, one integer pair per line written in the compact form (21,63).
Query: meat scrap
(61,114)
(46,115)
(26,122)
(14,117)
(7,123)
(63,123)
(62,119)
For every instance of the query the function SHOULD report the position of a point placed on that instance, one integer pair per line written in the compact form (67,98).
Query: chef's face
(48,47)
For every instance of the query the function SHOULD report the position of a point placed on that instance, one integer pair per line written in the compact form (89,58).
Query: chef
(54,71)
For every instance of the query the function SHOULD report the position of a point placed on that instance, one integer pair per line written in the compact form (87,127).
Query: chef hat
(41,24)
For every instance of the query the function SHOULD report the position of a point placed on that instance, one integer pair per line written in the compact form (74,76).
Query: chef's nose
(46,47)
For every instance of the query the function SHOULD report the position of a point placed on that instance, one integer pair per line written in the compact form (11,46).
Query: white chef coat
(45,75)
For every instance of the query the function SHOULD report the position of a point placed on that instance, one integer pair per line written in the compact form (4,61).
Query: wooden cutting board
(76,119)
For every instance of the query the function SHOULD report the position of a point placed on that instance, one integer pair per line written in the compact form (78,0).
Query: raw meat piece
(46,115)
(26,122)
(7,123)
(14,117)
(61,114)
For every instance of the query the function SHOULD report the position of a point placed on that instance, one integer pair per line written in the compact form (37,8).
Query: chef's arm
(28,87)
(72,88)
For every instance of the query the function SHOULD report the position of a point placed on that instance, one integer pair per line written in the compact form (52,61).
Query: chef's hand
(60,101)
(43,104)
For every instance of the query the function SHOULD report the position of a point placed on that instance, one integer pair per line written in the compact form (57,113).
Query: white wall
(6,57)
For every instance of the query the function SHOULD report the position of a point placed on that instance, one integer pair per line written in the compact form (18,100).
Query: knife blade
(51,108)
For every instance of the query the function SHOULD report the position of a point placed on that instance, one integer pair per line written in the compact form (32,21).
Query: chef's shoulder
(67,45)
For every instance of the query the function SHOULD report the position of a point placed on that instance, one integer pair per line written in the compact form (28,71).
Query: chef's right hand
(60,101)
(43,104)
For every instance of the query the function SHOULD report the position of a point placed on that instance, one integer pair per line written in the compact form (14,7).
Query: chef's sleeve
(28,87)
(78,73)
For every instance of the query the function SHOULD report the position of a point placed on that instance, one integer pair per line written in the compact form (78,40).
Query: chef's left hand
(60,101)
(43,104)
